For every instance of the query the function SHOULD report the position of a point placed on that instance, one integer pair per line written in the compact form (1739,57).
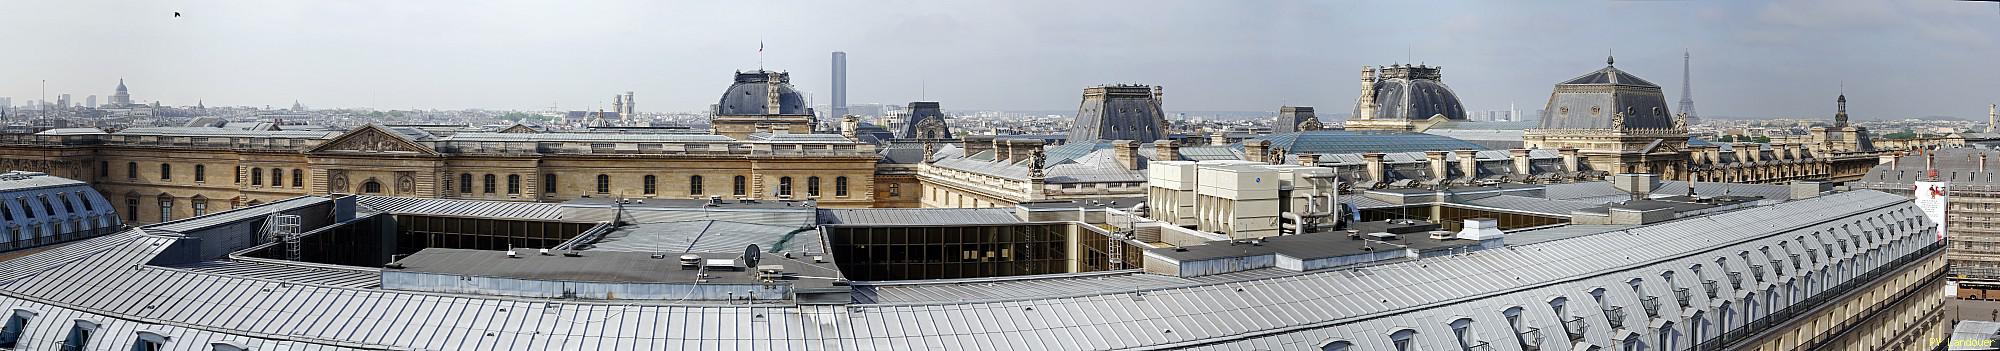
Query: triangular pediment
(374,139)
(520,128)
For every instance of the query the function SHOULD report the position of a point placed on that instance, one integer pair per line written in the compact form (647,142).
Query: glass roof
(1349,142)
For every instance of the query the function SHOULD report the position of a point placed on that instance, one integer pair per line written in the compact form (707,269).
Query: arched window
(371,187)
(298,178)
(514,184)
(603,184)
(17,324)
(277,177)
(79,335)
(650,185)
(739,186)
(1337,345)
(132,170)
(840,186)
(694,185)
(256,176)
(784,186)
(200,173)
(1513,315)
(148,341)
(812,186)
(465,182)
(549,183)
(166,172)
(1461,329)
(1405,339)
(491,183)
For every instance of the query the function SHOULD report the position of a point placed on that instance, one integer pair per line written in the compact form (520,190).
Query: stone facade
(142,169)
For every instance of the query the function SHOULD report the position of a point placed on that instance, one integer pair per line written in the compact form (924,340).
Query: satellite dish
(750,255)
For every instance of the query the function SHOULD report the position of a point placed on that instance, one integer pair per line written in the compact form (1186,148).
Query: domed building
(1618,121)
(761,102)
(1404,97)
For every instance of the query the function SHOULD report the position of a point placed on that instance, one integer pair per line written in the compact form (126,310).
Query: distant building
(761,102)
(926,121)
(839,83)
(63,101)
(1404,97)
(1119,112)
(122,98)
(90,101)
(1295,119)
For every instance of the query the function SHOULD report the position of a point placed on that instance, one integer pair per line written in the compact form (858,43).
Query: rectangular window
(200,207)
(652,184)
(603,184)
(513,184)
(738,187)
(132,170)
(298,178)
(895,190)
(840,186)
(465,183)
(694,185)
(549,183)
(27,210)
(200,173)
(166,210)
(166,172)
(131,209)
(490,184)
(104,169)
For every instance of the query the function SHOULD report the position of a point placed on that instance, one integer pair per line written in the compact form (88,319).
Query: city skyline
(1764,59)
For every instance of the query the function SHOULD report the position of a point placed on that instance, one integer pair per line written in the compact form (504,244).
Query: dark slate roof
(1415,99)
(921,111)
(1960,166)
(747,95)
(1354,142)
(1119,112)
(1289,118)
(1591,101)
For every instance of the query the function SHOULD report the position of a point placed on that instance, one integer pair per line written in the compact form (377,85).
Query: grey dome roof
(1414,93)
(1593,100)
(747,95)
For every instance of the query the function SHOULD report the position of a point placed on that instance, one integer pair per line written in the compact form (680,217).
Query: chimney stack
(1309,160)
(1468,164)
(1127,153)
(1439,171)
(1521,165)
(1375,167)
(1167,150)
(1570,159)
(975,144)
(1218,139)
(1742,153)
(1254,150)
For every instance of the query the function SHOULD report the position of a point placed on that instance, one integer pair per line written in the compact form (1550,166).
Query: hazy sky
(1785,58)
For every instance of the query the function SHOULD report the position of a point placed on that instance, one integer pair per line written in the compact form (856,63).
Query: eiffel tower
(1687,90)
